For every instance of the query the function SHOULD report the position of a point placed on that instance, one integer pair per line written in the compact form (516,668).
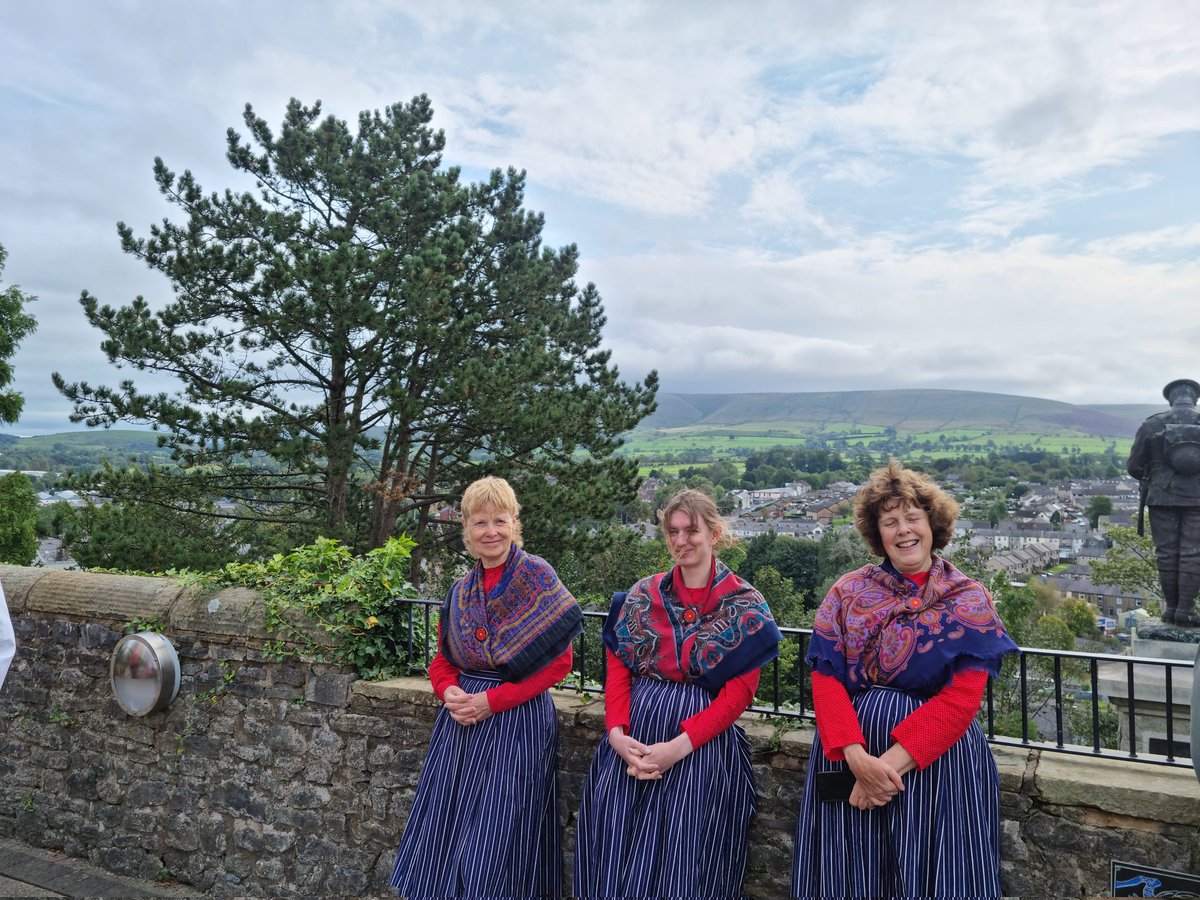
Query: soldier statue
(1166,459)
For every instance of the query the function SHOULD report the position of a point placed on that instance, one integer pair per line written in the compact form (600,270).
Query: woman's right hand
(631,751)
(876,781)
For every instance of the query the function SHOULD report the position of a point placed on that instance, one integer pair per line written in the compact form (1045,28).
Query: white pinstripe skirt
(939,837)
(682,836)
(485,819)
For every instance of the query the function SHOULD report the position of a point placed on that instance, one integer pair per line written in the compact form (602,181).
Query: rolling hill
(932,421)
(907,411)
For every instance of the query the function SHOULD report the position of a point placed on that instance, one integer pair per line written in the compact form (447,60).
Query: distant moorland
(935,422)
(917,422)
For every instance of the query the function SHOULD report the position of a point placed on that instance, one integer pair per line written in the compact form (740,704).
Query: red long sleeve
(837,723)
(731,701)
(933,728)
(514,693)
(444,674)
(927,733)
(618,685)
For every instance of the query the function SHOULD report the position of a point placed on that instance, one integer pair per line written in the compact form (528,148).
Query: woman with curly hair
(902,796)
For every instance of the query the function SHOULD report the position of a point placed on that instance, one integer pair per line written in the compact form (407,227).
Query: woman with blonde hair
(484,822)
(902,797)
(670,790)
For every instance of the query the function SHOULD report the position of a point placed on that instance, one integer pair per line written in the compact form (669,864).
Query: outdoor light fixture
(144,673)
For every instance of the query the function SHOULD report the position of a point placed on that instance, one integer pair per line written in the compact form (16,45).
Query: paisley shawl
(523,624)
(876,627)
(657,636)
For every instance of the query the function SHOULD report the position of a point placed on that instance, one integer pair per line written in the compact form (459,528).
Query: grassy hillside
(908,411)
(113,440)
(78,450)
(905,421)
(929,420)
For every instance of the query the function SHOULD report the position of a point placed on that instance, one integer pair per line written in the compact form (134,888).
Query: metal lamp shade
(144,672)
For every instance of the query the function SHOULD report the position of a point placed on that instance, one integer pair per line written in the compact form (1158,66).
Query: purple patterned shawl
(527,620)
(876,627)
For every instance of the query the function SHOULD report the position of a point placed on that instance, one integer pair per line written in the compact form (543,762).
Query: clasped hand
(464,708)
(876,780)
(648,762)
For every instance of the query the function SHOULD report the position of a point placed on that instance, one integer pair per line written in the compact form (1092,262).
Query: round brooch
(481,634)
(689,615)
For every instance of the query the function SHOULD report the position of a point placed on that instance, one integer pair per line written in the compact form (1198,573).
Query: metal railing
(1048,688)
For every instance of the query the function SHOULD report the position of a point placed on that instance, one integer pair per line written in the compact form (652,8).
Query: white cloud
(770,197)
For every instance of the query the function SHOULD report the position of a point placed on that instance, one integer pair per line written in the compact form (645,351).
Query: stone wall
(269,778)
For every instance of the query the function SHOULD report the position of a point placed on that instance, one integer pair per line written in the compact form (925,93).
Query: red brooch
(481,634)
(915,602)
(689,615)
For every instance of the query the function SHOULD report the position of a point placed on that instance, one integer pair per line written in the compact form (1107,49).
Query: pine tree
(363,335)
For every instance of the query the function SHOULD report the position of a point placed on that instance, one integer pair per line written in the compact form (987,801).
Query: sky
(818,196)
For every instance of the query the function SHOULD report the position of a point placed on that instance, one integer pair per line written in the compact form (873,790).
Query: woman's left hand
(665,754)
(467,709)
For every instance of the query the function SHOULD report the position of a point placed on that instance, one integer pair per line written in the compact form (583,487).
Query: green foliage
(1079,618)
(617,559)
(52,518)
(733,556)
(1098,506)
(15,325)
(59,717)
(142,537)
(1037,617)
(777,466)
(1079,722)
(18,520)
(1053,633)
(145,623)
(222,682)
(841,550)
(1129,563)
(396,334)
(796,559)
(787,606)
(327,605)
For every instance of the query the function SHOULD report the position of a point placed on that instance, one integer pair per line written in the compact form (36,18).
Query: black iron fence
(1064,701)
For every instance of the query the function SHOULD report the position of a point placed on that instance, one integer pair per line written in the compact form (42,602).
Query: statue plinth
(1153,630)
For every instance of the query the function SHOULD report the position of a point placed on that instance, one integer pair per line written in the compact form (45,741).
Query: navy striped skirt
(485,819)
(681,836)
(939,837)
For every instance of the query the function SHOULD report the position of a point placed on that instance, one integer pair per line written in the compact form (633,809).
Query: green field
(725,442)
(95,439)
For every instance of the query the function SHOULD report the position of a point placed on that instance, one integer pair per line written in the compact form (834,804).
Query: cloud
(785,196)
(1032,318)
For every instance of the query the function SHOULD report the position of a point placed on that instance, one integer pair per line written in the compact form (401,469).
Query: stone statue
(1166,459)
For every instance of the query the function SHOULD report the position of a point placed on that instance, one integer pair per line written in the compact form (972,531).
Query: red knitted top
(926,733)
(731,701)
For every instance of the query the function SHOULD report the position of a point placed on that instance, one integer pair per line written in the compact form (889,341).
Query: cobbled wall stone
(284,779)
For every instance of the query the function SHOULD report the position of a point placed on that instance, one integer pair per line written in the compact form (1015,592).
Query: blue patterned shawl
(659,637)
